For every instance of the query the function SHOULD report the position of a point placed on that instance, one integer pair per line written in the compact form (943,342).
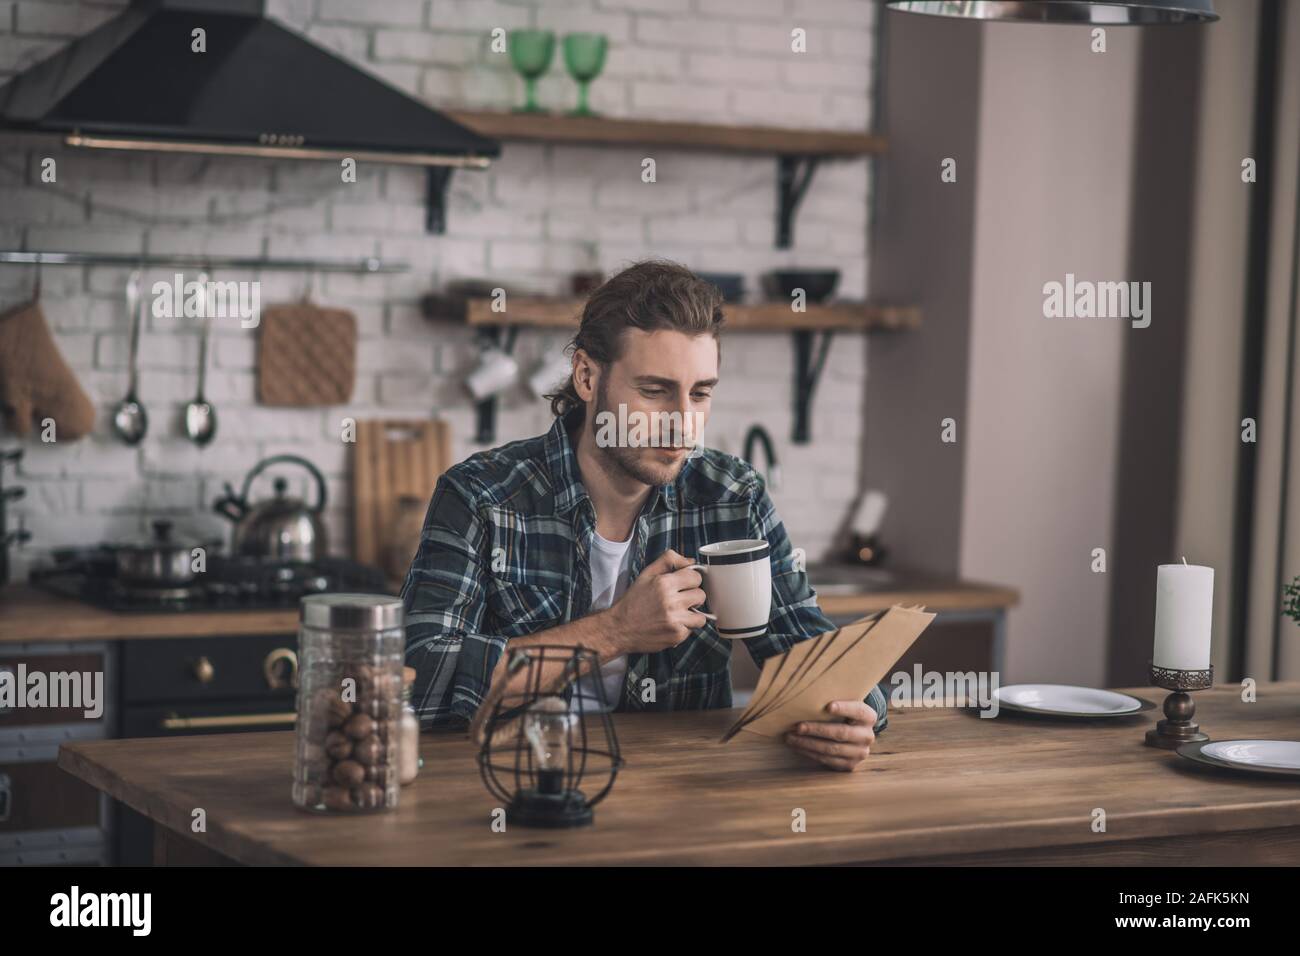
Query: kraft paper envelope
(788,680)
(832,645)
(846,639)
(781,675)
(788,661)
(771,667)
(791,674)
(852,676)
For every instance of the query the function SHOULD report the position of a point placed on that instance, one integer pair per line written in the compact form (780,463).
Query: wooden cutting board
(393,458)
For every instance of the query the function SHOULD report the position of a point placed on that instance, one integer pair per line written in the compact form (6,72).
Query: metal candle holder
(1178,727)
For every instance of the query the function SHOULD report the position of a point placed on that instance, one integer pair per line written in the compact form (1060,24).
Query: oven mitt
(35,381)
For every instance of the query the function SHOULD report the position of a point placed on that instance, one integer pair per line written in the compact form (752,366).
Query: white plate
(1066,699)
(1275,754)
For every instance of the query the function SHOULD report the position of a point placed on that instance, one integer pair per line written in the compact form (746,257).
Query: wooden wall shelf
(811,332)
(608,131)
(543,313)
(797,151)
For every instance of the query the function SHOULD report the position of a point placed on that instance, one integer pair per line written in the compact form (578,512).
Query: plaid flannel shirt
(504,553)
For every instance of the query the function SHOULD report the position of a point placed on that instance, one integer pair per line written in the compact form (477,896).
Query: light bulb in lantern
(548,727)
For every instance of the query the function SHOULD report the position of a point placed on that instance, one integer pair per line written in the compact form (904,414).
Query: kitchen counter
(852,592)
(942,786)
(28,614)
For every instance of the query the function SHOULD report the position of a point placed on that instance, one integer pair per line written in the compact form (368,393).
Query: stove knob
(204,671)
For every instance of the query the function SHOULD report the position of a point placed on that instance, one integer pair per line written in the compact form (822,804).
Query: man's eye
(701,396)
(652,392)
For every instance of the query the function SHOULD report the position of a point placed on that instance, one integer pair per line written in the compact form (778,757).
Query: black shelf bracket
(807,372)
(437,179)
(793,174)
(486,409)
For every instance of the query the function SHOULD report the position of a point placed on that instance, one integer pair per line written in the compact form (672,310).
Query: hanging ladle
(130,421)
(200,416)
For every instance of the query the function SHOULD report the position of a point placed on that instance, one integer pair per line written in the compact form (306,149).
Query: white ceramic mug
(495,372)
(738,583)
(547,376)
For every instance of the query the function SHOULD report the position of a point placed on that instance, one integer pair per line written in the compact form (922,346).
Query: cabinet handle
(270,665)
(229,720)
(204,671)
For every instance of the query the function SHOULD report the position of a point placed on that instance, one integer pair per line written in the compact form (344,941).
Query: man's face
(665,379)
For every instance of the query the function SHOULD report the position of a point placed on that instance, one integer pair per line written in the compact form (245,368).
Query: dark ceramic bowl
(730,284)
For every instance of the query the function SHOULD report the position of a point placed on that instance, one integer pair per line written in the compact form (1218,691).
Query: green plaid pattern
(504,553)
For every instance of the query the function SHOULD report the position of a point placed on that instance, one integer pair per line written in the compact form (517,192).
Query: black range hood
(260,89)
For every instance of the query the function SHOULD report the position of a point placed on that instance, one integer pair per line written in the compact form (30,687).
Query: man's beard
(619,461)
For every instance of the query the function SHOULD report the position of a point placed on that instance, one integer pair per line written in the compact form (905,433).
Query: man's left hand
(838,745)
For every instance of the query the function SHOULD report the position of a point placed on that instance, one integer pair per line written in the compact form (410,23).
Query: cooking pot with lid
(161,560)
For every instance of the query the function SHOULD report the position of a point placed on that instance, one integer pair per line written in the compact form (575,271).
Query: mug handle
(701,568)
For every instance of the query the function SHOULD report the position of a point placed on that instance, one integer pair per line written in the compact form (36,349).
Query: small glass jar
(408,758)
(350,649)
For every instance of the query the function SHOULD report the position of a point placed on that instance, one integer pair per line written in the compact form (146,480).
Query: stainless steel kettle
(281,528)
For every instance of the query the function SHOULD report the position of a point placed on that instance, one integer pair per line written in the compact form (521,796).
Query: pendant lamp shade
(1101,13)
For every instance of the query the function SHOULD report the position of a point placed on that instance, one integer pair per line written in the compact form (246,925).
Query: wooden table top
(30,615)
(941,783)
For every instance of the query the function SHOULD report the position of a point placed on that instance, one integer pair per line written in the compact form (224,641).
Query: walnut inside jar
(368,750)
(349,772)
(337,798)
(364,679)
(359,726)
(338,745)
(337,710)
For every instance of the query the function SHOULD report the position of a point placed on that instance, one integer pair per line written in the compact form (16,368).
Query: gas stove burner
(228,584)
(175,598)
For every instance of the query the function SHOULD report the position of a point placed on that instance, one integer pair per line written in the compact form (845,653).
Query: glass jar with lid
(350,649)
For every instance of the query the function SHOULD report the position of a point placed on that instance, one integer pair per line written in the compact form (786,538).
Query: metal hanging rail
(149,260)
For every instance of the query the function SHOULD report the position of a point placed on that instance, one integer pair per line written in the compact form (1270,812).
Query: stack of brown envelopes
(843,664)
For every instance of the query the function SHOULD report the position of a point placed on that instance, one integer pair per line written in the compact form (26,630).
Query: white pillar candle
(1184,609)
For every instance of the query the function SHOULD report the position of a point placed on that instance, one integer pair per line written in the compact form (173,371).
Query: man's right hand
(656,613)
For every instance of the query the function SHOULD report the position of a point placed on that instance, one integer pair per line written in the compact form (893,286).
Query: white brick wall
(537,215)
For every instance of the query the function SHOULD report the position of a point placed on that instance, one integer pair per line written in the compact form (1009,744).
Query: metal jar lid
(351,612)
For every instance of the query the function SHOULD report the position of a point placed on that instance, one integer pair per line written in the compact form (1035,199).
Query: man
(572,538)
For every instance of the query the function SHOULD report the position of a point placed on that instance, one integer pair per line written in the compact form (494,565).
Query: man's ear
(585,375)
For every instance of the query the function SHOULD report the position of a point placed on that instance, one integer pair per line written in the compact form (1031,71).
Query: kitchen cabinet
(165,673)
(46,819)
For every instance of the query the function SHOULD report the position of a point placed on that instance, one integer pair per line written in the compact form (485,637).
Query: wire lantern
(541,740)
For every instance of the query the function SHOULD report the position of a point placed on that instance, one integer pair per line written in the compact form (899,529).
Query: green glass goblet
(584,55)
(531,52)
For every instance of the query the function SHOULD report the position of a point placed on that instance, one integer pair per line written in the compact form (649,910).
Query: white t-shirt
(609,573)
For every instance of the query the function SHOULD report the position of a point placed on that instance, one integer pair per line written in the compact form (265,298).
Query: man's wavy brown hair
(651,295)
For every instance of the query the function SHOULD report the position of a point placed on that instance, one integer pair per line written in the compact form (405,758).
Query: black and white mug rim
(758,552)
